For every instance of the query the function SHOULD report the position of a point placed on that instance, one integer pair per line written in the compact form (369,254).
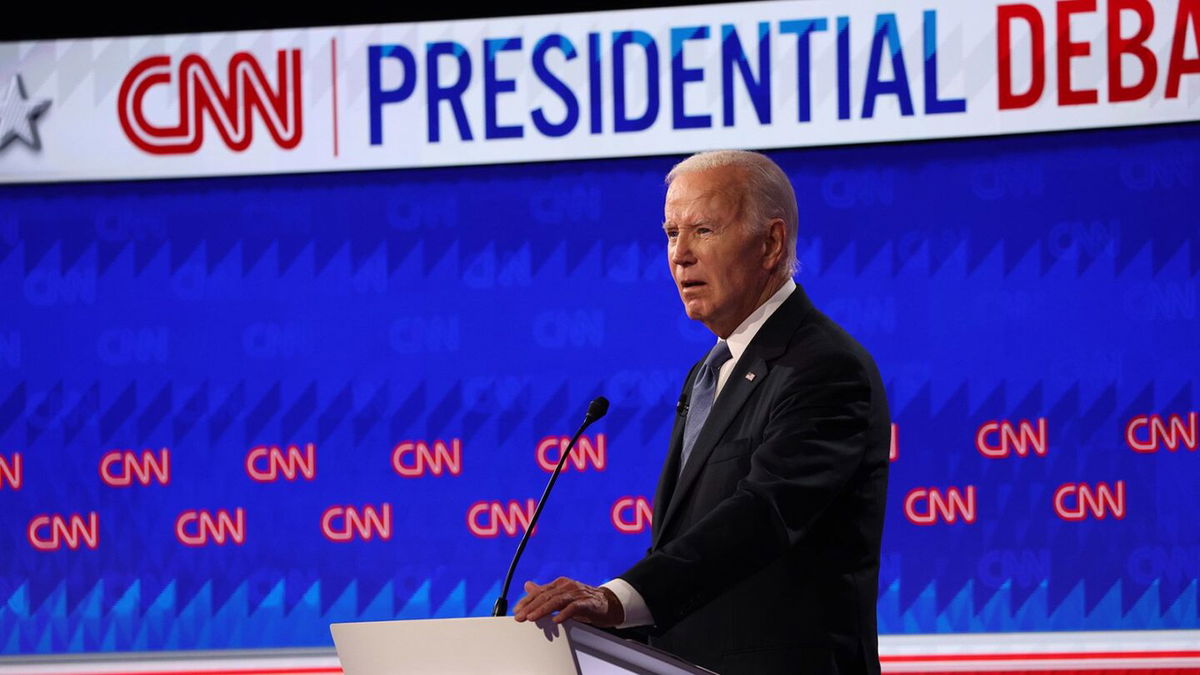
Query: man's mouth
(692,284)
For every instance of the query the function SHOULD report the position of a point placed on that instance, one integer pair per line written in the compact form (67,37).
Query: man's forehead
(726,177)
(692,199)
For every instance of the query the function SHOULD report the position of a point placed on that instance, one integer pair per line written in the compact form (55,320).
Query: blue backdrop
(1047,277)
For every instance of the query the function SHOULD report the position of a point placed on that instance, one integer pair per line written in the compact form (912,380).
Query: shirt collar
(741,336)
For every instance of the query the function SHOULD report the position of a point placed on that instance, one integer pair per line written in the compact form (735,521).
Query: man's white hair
(767,186)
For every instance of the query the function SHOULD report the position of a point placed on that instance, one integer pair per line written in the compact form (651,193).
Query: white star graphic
(17,115)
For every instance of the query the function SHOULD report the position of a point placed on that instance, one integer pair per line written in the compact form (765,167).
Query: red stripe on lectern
(1115,670)
(238,671)
(1041,656)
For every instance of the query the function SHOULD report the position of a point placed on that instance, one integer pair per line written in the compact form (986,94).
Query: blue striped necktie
(704,392)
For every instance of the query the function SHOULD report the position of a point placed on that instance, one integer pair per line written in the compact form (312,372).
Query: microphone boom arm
(596,410)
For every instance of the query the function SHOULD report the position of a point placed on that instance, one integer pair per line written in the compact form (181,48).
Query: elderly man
(769,511)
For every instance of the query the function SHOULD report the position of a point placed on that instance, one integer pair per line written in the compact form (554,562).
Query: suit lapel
(729,402)
(749,372)
(666,480)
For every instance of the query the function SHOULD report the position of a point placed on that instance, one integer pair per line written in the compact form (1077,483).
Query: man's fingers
(531,590)
(532,593)
(570,611)
(569,598)
(545,603)
(557,602)
(541,601)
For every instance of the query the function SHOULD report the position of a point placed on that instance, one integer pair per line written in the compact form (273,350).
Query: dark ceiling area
(99,20)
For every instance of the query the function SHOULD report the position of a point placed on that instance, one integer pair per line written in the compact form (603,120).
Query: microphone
(681,406)
(596,409)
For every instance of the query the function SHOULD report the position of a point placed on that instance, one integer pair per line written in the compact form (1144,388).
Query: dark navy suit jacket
(765,553)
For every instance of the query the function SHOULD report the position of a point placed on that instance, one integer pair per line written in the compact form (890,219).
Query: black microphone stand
(596,409)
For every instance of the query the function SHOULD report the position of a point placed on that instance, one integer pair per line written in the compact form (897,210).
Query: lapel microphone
(681,406)
(596,409)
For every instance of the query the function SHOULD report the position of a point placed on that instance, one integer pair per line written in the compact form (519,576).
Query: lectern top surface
(450,646)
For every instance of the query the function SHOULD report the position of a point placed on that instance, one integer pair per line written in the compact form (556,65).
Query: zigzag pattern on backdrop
(1046,277)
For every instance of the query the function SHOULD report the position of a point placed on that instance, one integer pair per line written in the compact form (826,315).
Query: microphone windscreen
(597,408)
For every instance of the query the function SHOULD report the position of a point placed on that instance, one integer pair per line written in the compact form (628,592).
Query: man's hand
(572,600)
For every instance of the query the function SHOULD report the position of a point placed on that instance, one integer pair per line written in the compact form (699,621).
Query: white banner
(605,84)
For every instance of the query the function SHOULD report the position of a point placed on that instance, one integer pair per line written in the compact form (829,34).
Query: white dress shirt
(636,612)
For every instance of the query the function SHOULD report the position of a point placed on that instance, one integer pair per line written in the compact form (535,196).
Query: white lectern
(496,645)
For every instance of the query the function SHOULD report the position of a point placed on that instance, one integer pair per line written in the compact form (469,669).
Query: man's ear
(774,244)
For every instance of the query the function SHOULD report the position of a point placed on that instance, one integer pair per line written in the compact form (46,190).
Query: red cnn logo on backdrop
(586,452)
(1079,501)
(346,523)
(1150,433)
(488,519)
(120,468)
(632,515)
(266,463)
(997,438)
(413,459)
(230,108)
(10,471)
(52,532)
(928,506)
(200,528)
(894,449)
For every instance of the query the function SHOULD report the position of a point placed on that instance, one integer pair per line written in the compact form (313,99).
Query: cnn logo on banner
(231,108)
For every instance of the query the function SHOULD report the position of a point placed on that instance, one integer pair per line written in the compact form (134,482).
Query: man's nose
(681,250)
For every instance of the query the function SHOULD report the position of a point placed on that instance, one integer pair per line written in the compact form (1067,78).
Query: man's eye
(671,234)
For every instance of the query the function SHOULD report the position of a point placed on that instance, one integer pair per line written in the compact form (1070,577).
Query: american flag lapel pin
(749,377)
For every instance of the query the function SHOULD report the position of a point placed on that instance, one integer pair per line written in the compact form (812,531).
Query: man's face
(720,268)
